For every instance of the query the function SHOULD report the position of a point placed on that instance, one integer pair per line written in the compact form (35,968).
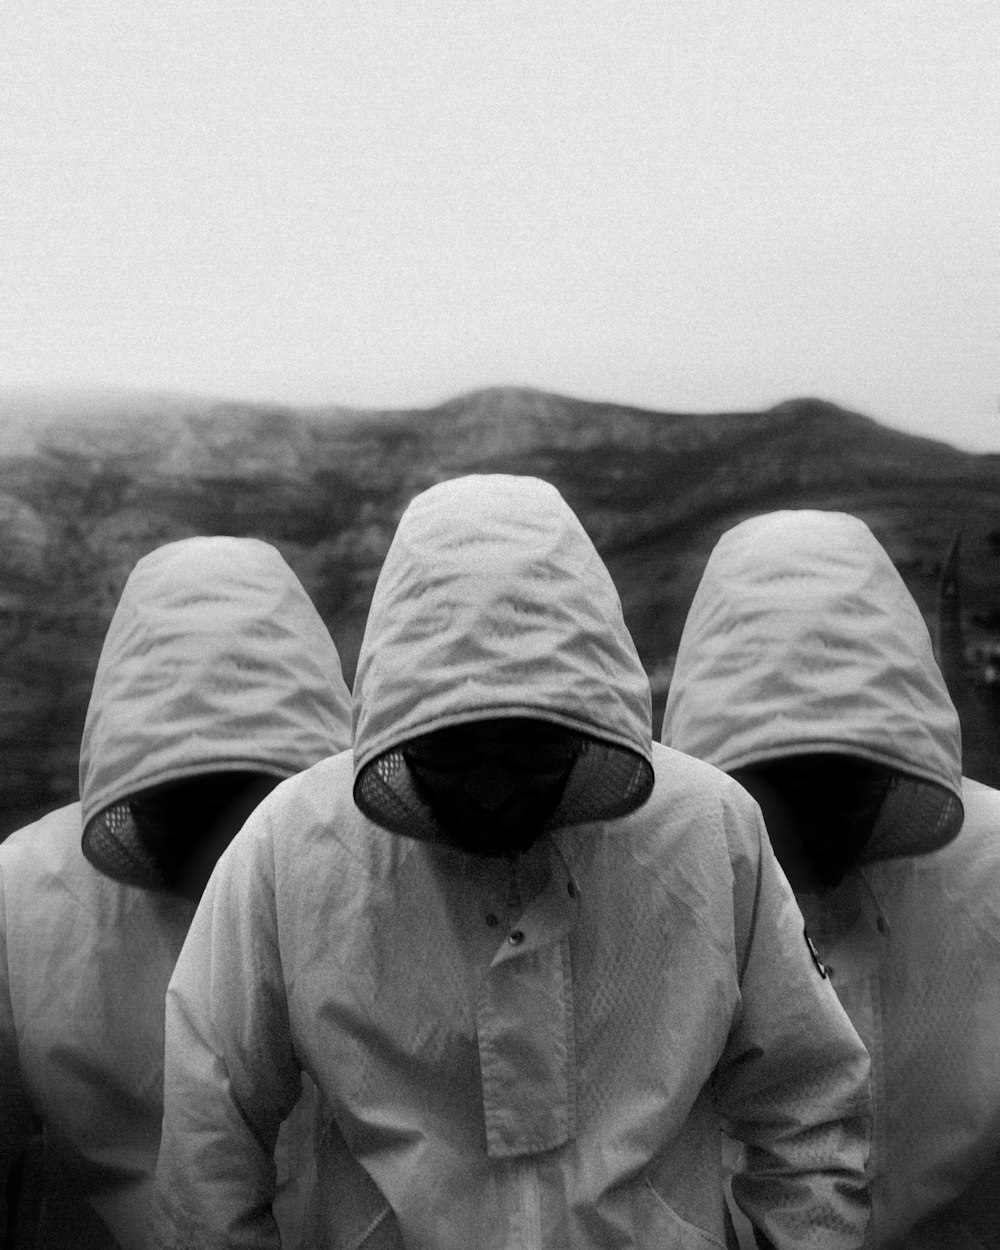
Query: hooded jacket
(533,1051)
(215,659)
(801,638)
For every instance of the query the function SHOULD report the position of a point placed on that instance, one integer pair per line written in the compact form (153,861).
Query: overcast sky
(690,206)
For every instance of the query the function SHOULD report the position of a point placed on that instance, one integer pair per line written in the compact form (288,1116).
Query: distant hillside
(89,485)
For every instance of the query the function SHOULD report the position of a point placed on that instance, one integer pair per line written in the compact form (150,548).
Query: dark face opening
(186,825)
(820,811)
(492,785)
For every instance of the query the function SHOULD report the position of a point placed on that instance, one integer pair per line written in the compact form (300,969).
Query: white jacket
(802,637)
(535,1052)
(215,659)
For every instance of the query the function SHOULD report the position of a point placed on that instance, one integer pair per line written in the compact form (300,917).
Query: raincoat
(215,660)
(520,1052)
(803,638)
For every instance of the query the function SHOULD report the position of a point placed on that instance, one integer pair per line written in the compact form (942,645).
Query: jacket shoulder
(967,870)
(51,844)
(307,822)
(696,820)
(318,797)
(982,816)
(688,786)
(678,774)
(49,884)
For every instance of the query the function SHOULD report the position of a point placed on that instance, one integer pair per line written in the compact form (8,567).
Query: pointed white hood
(215,660)
(803,638)
(493,602)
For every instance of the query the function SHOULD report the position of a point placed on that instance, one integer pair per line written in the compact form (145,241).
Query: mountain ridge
(89,490)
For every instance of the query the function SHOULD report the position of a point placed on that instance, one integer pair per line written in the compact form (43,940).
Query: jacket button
(516,937)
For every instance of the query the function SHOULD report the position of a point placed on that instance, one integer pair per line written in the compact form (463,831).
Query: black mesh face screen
(607,781)
(111,844)
(154,839)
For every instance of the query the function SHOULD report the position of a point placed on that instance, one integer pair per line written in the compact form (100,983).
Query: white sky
(686,205)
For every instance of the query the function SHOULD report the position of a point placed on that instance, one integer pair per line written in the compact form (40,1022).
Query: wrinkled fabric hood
(493,602)
(215,660)
(803,638)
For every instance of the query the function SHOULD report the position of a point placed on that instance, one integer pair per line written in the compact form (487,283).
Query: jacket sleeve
(230,1072)
(15,1109)
(793,1082)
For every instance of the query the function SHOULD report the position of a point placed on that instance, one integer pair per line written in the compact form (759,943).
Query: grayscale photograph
(499,625)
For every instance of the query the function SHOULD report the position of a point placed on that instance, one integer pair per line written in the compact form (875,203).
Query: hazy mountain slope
(87,486)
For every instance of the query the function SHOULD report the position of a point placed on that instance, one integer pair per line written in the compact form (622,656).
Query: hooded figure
(806,671)
(531,960)
(217,679)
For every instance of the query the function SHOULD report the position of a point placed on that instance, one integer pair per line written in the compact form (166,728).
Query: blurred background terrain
(89,483)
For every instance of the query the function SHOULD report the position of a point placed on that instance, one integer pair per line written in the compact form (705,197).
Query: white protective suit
(215,660)
(531,1051)
(802,638)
